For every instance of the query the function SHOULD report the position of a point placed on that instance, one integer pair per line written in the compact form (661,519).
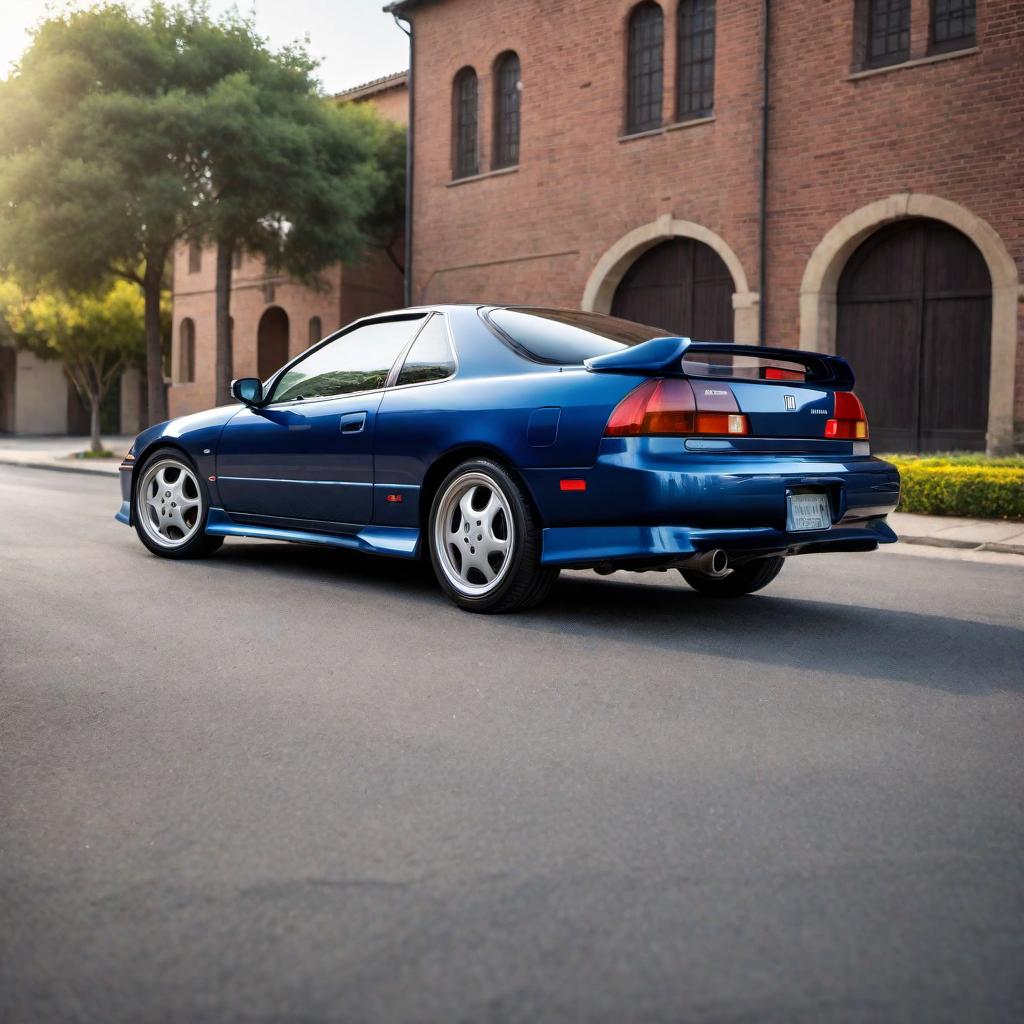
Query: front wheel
(170,507)
(744,579)
(485,540)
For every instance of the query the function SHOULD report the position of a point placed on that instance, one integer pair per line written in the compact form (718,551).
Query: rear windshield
(567,336)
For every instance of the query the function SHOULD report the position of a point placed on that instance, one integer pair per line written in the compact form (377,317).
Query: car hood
(195,427)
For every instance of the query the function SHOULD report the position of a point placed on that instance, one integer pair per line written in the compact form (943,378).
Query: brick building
(273,318)
(608,155)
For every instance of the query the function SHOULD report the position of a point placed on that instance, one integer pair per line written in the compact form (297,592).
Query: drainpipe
(407,280)
(762,305)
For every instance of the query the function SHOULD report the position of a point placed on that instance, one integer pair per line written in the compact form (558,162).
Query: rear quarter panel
(419,424)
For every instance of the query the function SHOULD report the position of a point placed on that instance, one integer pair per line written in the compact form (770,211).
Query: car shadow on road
(949,654)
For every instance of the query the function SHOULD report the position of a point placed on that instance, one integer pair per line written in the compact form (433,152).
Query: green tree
(291,177)
(96,335)
(98,167)
(385,222)
(122,134)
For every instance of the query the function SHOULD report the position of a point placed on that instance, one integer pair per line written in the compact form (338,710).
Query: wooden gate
(682,286)
(914,319)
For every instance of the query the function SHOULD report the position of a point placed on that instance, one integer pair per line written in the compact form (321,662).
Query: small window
(882,32)
(187,352)
(507,92)
(316,330)
(195,257)
(431,356)
(357,361)
(465,159)
(695,82)
(236,259)
(953,25)
(645,68)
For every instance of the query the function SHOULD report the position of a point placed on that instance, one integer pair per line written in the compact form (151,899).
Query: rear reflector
(849,421)
(573,485)
(721,423)
(669,408)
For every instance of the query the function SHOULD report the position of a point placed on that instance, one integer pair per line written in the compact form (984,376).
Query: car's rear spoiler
(664,357)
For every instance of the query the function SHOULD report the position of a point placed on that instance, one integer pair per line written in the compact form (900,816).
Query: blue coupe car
(506,443)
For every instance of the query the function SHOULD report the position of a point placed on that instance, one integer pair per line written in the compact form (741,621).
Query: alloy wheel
(170,504)
(474,534)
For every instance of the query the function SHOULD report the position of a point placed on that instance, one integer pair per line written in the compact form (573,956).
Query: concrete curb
(57,467)
(964,545)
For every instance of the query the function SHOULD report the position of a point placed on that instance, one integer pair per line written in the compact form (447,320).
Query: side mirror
(248,390)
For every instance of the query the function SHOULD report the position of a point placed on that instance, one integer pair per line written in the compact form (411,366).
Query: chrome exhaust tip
(713,563)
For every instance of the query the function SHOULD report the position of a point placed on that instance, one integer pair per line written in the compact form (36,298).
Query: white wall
(40,396)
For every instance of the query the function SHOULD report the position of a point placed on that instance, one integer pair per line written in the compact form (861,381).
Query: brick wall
(839,140)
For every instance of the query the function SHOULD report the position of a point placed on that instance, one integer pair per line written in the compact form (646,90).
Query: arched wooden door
(272,342)
(681,285)
(915,320)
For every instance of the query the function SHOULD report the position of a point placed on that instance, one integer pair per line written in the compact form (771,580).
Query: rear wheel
(170,507)
(485,540)
(744,579)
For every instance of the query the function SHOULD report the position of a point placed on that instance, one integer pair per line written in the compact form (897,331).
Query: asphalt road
(294,785)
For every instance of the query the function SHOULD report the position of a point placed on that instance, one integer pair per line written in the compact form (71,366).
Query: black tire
(199,544)
(524,582)
(744,579)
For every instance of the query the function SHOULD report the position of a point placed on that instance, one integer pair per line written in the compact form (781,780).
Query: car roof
(441,307)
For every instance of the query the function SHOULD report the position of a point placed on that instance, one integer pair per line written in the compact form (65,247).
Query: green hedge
(961,486)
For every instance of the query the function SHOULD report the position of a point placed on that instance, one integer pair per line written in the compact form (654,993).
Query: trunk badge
(790,401)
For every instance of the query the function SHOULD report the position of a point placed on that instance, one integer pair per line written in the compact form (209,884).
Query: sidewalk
(935,531)
(957,532)
(59,453)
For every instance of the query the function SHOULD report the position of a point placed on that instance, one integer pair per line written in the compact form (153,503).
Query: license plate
(808,512)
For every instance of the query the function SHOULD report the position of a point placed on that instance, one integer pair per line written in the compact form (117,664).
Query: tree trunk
(223,368)
(95,441)
(156,394)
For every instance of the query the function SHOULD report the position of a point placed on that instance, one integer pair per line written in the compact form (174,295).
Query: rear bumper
(583,546)
(651,501)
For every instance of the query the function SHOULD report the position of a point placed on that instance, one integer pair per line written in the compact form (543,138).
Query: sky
(355,39)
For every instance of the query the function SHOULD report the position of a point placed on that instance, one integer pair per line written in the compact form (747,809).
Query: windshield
(567,336)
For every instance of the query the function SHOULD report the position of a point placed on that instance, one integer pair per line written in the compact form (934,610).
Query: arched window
(695,80)
(195,257)
(272,342)
(187,351)
(646,62)
(316,331)
(507,90)
(465,162)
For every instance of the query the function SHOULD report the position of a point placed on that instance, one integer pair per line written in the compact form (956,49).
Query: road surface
(294,784)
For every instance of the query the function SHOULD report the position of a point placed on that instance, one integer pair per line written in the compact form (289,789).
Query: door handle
(353,422)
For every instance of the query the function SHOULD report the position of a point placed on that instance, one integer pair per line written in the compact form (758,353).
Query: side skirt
(397,541)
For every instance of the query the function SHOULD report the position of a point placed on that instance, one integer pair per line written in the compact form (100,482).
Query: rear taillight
(849,421)
(669,408)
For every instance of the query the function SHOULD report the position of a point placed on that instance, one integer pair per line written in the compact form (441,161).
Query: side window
(357,361)
(431,356)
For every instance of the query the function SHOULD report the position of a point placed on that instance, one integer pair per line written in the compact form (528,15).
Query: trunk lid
(784,393)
